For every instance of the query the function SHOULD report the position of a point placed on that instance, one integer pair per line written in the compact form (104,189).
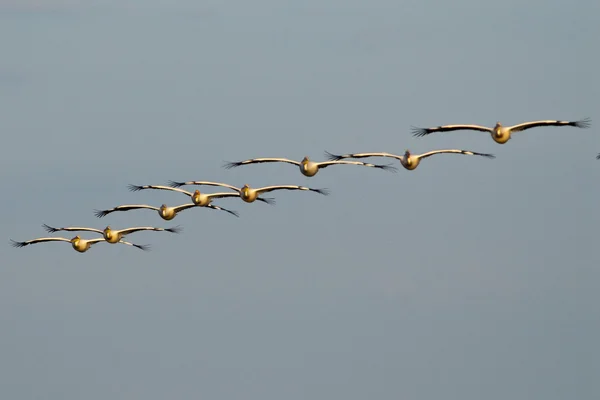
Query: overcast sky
(467,278)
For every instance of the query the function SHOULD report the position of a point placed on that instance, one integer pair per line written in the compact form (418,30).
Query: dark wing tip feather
(267,200)
(229,165)
(175,229)
(49,229)
(175,184)
(419,132)
(14,243)
(144,247)
(332,157)
(598,156)
(386,167)
(323,191)
(101,213)
(584,123)
(486,155)
(134,188)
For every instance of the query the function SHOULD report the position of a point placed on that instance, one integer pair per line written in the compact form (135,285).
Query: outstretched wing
(184,207)
(336,157)
(127,207)
(135,188)
(584,123)
(266,200)
(38,240)
(50,229)
(266,189)
(199,183)
(229,165)
(465,152)
(222,195)
(175,229)
(145,247)
(419,132)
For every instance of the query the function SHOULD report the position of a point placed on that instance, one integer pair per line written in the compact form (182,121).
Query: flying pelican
(501,134)
(199,199)
(408,160)
(112,235)
(79,244)
(307,167)
(249,195)
(166,213)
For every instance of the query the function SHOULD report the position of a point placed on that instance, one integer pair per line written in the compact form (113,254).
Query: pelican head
(107,231)
(76,239)
(163,207)
(245,189)
(498,125)
(305,160)
(407,153)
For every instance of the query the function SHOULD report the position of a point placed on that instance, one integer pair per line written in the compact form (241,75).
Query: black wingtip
(49,229)
(486,155)
(419,132)
(144,247)
(598,156)
(14,243)
(175,184)
(332,157)
(229,165)
(175,229)
(100,213)
(584,123)
(387,167)
(267,200)
(323,191)
(134,188)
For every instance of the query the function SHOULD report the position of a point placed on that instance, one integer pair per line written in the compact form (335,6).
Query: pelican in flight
(79,244)
(112,235)
(501,134)
(198,198)
(408,160)
(307,167)
(249,195)
(165,212)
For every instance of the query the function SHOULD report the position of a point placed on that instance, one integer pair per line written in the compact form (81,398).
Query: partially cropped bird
(408,160)
(307,167)
(501,134)
(79,244)
(165,212)
(598,156)
(198,198)
(249,195)
(112,235)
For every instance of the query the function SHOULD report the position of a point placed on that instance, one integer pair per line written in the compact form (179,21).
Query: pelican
(408,160)
(165,212)
(79,244)
(501,134)
(249,195)
(112,235)
(198,198)
(307,167)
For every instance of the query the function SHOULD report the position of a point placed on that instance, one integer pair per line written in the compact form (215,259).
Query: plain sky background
(467,278)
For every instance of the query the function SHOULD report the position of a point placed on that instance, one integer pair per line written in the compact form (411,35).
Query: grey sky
(467,278)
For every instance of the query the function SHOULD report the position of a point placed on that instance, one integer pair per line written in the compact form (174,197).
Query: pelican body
(80,245)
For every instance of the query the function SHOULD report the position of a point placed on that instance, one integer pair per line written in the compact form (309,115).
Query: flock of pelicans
(500,134)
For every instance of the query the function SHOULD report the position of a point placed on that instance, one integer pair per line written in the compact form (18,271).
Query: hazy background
(467,278)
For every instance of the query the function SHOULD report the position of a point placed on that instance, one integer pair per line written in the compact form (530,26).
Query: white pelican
(408,160)
(249,195)
(307,167)
(79,244)
(501,134)
(112,235)
(198,198)
(166,213)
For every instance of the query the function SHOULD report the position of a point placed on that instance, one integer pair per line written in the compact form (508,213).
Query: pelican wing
(175,184)
(127,207)
(135,188)
(222,195)
(598,156)
(386,167)
(50,229)
(145,247)
(447,128)
(336,157)
(229,165)
(184,207)
(466,152)
(175,229)
(584,123)
(266,189)
(267,200)
(39,240)
(215,207)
